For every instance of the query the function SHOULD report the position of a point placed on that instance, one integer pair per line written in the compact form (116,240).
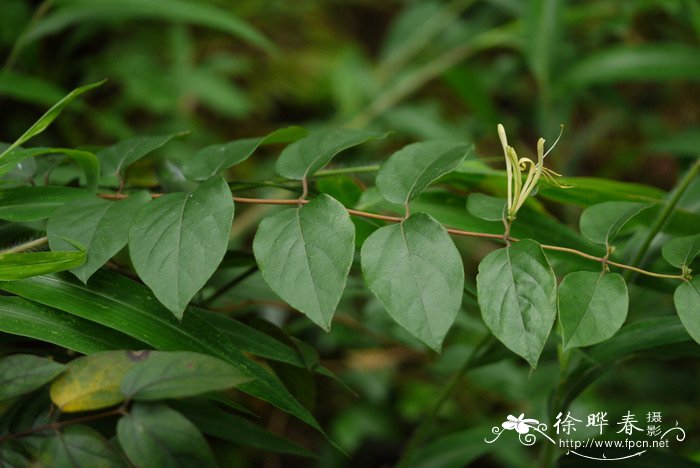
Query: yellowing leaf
(92,382)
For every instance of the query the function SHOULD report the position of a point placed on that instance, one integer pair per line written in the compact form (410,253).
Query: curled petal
(509,425)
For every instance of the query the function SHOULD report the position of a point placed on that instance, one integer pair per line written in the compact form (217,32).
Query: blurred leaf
(217,423)
(685,143)
(517,293)
(305,254)
(542,23)
(486,207)
(307,156)
(15,266)
(592,307)
(341,187)
(34,203)
(79,446)
(646,62)
(101,226)
(155,435)
(116,158)
(681,251)
(46,119)
(214,159)
(92,382)
(632,338)
(12,459)
(178,240)
(410,170)
(140,315)
(22,373)
(28,88)
(416,272)
(21,317)
(160,375)
(179,11)
(687,300)
(454,450)
(601,223)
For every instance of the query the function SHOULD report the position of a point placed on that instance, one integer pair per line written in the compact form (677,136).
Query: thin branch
(120,411)
(457,232)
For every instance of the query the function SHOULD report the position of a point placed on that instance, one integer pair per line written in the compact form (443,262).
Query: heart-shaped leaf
(77,446)
(410,170)
(178,240)
(307,156)
(601,223)
(305,255)
(116,158)
(155,435)
(486,207)
(681,251)
(92,382)
(592,307)
(687,300)
(214,159)
(159,375)
(416,272)
(22,373)
(517,293)
(101,226)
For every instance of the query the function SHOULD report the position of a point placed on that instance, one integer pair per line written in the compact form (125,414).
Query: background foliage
(621,76)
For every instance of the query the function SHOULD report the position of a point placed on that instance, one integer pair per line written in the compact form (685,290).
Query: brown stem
(458,232)
(68,422)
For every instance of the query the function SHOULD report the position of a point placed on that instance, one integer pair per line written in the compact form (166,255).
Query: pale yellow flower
(518,191)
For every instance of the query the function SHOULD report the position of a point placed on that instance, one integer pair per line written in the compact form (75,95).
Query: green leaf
(15,266)
(116,158)
(601,223)
(542,24)
(140,315)
(454,450)
(647,62)
(214,159)
(592,307)
(87,161)
(305,256)
(687,300)
(155,435)
(176,11)
(46,119)
(486,207)
(305,157)
(681,251)
(79,446)
(92,382)
(517,293)
(178,240)
(159,375)
(19,316)
(215,422)
(416,272)
(635,337)
(12,459)
(33,203)
(22,373)
(410,170)
(101,226)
